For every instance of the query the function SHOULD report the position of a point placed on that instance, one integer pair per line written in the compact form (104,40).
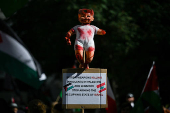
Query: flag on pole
(112,108)
(16,60)
(149,100)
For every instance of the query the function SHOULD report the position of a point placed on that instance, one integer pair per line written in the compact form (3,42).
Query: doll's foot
(81,66)
(86,66)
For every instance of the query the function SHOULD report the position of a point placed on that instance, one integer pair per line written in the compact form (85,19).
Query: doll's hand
(101,32)
(68,41)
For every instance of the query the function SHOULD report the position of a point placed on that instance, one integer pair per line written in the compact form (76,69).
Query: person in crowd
(130,99)
(36,106)
(125,107)
(14,107)
(166,110)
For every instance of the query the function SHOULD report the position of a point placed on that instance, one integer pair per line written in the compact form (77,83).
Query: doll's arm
(101,32)
(68,35)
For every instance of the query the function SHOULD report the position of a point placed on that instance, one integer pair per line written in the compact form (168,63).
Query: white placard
(84,88)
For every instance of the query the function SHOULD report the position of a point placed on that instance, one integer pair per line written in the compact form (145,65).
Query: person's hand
(68,41)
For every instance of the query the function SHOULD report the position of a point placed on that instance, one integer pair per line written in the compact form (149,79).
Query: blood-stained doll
(84,37)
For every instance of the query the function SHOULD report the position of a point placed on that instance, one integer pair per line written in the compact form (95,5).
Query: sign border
(85,106)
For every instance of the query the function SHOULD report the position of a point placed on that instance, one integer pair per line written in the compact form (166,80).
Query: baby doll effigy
(84,37)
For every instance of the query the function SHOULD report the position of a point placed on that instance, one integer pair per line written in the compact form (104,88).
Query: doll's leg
(79,54)
(79,57)
(89,58)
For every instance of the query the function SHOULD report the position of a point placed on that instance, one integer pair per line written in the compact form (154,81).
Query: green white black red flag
(149,100)
(16,60)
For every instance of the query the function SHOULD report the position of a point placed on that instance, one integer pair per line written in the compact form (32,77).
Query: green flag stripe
(61,94)
(19,70)
(153,100)
(139,108)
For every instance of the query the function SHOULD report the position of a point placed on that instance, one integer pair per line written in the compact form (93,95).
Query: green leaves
(135,35)
(9,7)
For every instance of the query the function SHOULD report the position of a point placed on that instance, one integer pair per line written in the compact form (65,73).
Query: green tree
(137,33)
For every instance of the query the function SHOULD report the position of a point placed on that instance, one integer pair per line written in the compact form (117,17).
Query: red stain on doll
(89,32)
(81,33)
(78,47)
(79,58)
(72,30)
(68,35)
(91,49)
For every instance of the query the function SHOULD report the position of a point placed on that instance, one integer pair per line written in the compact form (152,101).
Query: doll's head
(85,16)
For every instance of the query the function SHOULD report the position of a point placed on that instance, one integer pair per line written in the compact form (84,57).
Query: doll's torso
(84,36)
(85,33)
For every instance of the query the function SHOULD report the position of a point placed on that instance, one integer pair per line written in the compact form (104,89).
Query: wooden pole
(84,55)
(82,110)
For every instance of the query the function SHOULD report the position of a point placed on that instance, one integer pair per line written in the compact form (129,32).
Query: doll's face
(85,17)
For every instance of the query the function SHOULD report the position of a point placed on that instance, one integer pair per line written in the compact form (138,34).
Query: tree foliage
(137,34)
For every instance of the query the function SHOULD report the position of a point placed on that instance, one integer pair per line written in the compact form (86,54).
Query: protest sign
(84,88)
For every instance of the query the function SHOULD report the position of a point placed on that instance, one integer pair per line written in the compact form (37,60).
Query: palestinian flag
(149,100)
(112,108)
(18,62)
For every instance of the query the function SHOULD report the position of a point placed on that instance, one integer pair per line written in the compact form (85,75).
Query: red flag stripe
(112,108)
(152,82)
